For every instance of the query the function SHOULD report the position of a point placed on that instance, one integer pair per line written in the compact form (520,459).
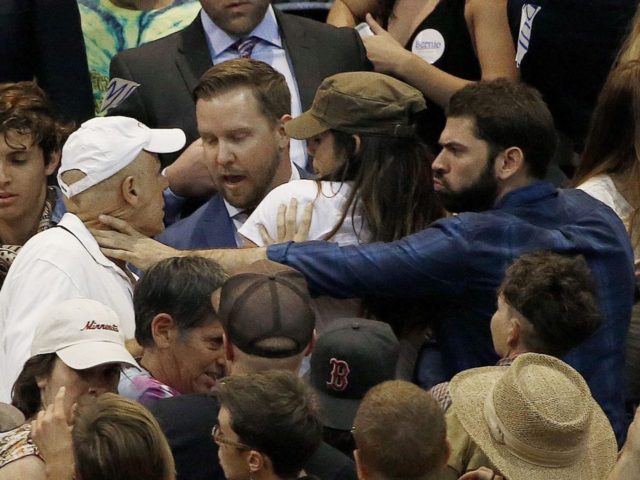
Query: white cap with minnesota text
(83,333)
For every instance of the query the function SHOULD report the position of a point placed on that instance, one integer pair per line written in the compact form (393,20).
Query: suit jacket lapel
(218,230)
(193,57)
(304,60)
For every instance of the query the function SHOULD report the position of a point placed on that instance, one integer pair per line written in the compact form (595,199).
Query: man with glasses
(279,297)
(268,426)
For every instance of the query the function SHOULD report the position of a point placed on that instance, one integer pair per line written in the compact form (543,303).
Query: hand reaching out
(288,230)
(124,242)
(384,51)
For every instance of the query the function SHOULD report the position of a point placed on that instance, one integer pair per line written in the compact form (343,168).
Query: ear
(312,343)
(283,138)
(357,143)
(128,189)
(42,381)
(361,469)
(447,453)
(215,299)
(229,354)
(257,461)
(163,330)
(509,162)
(54,161)
(514,335)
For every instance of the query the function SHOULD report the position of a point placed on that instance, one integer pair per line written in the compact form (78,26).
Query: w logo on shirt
(339,375)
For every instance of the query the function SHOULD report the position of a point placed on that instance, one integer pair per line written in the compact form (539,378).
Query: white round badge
(428,45)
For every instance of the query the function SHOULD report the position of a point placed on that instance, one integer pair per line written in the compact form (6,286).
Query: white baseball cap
(103,146)
(83,333)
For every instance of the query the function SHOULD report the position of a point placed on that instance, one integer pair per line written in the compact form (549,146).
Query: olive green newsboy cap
(360,102)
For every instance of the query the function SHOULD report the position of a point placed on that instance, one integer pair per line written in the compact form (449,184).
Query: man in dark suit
(42,40)
(241,108)
(168,69)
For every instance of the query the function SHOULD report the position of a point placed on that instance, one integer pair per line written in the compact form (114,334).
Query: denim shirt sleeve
(430,261)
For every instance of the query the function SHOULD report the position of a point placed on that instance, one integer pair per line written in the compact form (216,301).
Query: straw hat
(535,420)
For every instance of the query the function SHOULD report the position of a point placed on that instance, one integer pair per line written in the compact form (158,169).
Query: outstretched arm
(349,13)
(430,261)
(123,242)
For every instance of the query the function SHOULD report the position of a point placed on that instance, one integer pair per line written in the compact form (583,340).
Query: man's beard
(479,196)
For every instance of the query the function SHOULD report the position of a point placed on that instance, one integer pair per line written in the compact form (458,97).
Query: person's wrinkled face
(23,178)
(199,358)
(92,381)
(236,17)
(325,156)
(149,211)
(242,148)
(231,454)
(463,173)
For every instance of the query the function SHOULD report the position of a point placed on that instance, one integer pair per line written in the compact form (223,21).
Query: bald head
(133,194)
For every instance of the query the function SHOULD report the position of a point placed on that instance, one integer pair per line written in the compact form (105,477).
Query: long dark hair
(25,395)
(613,143)
(391,185)
(392,188)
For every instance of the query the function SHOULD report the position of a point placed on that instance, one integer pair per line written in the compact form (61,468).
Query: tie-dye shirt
(138,384)
(109,29)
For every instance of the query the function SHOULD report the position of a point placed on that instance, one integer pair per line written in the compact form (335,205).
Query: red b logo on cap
(339,375)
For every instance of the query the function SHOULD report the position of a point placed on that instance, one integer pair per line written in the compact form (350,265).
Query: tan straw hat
(535,420)
(360,102)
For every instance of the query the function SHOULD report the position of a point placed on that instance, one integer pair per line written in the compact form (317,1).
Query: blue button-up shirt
(460,262)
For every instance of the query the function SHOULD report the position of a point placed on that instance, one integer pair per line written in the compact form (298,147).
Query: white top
(239,215)
(602,187)
(328,205)
(269,49)
(53,266)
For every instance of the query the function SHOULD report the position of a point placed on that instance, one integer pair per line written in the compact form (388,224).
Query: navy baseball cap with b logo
(351,356)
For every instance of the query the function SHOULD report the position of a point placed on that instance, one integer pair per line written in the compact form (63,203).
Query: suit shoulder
(179,233)
(156,48)
(313,26)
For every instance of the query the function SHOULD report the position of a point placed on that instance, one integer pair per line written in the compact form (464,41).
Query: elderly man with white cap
(109,166)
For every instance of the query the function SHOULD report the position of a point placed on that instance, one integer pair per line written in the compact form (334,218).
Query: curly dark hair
(557,295)
(25,109)
(25,395)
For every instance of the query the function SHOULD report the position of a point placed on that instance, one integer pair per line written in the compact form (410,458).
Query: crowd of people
(238,243)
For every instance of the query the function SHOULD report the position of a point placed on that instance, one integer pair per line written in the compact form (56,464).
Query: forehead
(14,140)
(460,130)
(235,108)
(147,160)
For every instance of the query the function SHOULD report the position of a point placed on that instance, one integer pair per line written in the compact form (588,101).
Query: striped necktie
(245,46)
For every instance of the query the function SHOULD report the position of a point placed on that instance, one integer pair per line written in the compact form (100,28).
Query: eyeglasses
(218,437)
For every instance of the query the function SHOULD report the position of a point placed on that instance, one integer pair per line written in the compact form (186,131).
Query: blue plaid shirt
(460,261)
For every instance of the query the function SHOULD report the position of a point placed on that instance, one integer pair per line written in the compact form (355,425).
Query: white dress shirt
(53,266)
